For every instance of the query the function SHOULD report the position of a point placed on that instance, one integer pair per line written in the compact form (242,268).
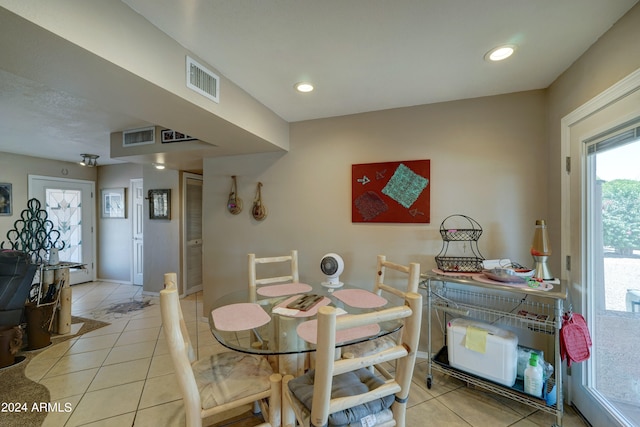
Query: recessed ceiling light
(159,166)
(499,53)
(303,87)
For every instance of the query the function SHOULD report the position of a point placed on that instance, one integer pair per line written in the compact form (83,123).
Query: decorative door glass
(64,208)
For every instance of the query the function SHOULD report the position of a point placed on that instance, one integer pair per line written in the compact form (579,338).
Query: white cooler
(483,350)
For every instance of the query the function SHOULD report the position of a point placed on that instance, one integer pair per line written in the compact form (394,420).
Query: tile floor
(122,374)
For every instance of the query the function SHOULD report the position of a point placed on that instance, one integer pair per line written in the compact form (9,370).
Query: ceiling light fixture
(303,87)
(500,53)
(159,166)
(89,160)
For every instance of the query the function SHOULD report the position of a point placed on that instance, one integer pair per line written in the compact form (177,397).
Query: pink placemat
(453,273)
(543,286)
(283,289)
(308,331)
(311,312)
(360,298)
(239,317)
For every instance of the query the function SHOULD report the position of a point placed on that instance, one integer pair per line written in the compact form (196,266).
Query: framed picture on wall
(6,195)
(159,204)
(113,202)
(392,192)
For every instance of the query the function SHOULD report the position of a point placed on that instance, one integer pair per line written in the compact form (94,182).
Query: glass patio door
(603,224)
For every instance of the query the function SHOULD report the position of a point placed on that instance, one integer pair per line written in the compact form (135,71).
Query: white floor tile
(78,362)
(106,403)
(70,384)
(160,390)
(122,374)
(129,352)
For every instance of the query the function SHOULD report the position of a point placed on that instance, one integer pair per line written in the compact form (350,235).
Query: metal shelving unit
(529,309)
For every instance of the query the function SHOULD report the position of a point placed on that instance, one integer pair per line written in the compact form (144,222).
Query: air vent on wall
(139,136)
(202,80)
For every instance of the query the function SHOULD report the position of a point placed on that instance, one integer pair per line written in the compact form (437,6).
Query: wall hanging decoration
(159,204)
(234,203)
(5,199)
(259,210)
(391,192)
(170,135)
(113,203)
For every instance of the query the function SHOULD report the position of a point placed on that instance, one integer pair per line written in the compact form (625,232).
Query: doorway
(69,204)
(137,222)
(192,233)
(602,139)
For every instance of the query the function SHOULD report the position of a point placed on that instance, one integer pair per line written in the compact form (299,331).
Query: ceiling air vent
(141,136)
(202,80)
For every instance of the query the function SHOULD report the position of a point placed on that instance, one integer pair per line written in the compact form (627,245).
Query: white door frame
(91,272)
(609,97)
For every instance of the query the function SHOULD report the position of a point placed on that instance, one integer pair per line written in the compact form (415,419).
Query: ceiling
(361,55)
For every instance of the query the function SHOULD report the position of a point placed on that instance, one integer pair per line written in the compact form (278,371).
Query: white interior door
(137,208)
(192,245)
(69,204)
(606,387)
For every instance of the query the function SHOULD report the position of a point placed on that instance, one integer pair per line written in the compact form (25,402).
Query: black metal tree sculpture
(34,233)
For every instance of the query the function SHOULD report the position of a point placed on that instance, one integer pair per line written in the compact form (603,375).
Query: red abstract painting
(391,192)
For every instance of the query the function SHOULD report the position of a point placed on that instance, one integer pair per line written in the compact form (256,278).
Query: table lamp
(540,251)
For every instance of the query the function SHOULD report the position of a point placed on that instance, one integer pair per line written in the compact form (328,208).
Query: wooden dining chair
(291,275)
(343,391)
(220,382)
(381,288)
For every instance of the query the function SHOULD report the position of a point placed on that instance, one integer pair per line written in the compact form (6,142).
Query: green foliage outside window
(621,215)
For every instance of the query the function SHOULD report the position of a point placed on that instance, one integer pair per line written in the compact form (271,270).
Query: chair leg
(275,403)
(288,416)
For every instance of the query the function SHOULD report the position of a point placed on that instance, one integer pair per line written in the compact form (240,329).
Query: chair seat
(369,347)
(229,376)
(347,384)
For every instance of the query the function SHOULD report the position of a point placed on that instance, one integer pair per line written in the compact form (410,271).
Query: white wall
(487,161)
(115,246)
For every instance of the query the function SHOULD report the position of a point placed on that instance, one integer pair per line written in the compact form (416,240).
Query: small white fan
(332,266)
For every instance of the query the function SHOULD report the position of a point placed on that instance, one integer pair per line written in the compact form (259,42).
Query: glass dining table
(269,324)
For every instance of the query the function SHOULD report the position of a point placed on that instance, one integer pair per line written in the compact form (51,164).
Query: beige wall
(615,55)
(487,161)
(15,170)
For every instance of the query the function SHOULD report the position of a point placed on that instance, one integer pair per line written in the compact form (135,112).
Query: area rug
(128,307)
(18,394)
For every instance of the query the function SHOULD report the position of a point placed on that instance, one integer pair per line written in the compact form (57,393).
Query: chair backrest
(404,353)
(291,275)
(413,277)
(16,277)
(179,345)
(171,282)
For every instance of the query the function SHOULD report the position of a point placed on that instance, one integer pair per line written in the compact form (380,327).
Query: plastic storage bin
(498,362)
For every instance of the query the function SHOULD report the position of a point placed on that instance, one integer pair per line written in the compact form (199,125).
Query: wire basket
(452,229)
(460,235)
(459,264)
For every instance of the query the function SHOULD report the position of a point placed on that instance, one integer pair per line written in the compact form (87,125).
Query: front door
(601,214)
(69,204)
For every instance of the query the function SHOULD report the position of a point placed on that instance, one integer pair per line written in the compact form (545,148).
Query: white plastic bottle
(533,377)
